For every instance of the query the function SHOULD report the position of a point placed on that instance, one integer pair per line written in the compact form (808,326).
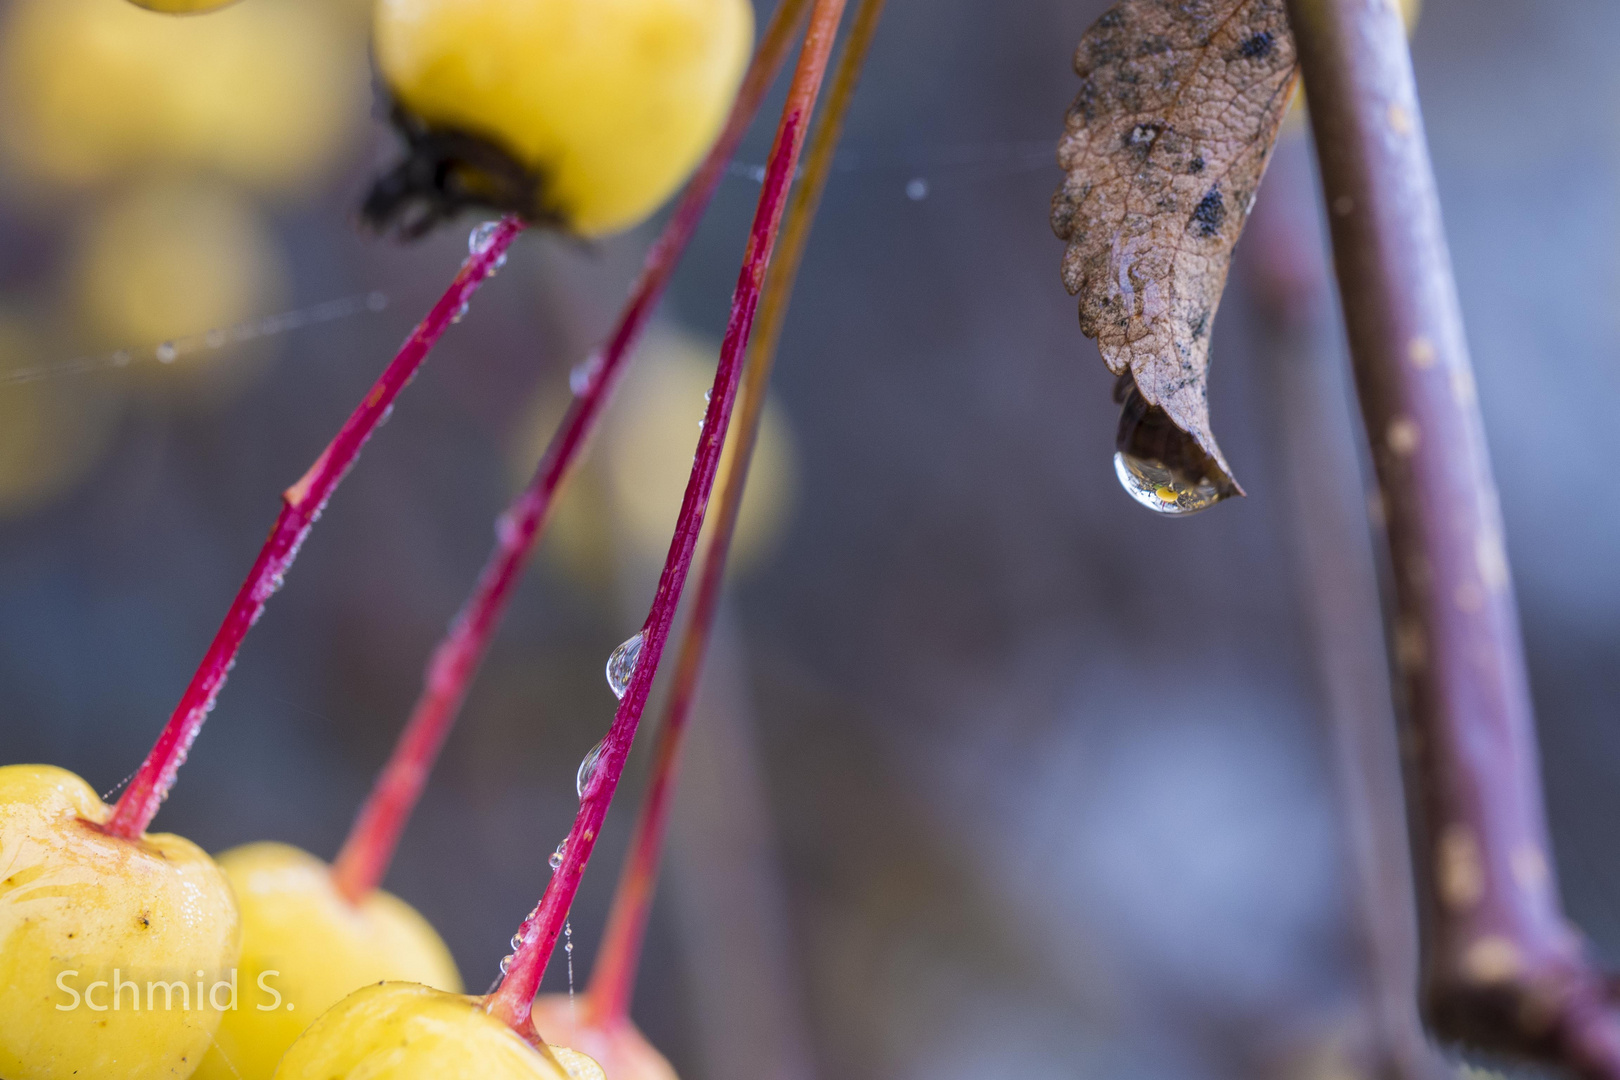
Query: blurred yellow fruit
(169,260)
(401,1031)
(622,1050)
(608,104)
(115,955)
(182,7)
(265,92)
(622,502)
(304,949)
(51,430)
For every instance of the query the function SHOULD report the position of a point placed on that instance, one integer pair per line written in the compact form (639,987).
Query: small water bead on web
(1159,465)
(621,666)
(587,768)
(168,352)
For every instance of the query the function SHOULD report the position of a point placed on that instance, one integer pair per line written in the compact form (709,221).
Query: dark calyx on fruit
(445,172)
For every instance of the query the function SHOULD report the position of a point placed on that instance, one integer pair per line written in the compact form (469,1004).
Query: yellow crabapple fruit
(169,260)
(182,7)
(402,1031)
(620,1048)
(52,431)
(267,92)
(620,504)
(305,947)
(597,109)
(116,956)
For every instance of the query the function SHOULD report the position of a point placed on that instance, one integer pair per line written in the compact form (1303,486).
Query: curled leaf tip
(1163,149)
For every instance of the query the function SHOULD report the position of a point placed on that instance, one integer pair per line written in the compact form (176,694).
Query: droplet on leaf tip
(1159,465)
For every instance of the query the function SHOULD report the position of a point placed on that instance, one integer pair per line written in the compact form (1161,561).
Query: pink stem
(301,506)
(363,862)
(613,978)
(513,1000)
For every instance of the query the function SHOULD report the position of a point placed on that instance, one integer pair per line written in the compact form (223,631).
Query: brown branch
(1501,969)
(1286,262)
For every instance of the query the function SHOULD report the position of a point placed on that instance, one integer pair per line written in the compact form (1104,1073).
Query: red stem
(363,862)
(613,980)
(301,505)
(512,1001)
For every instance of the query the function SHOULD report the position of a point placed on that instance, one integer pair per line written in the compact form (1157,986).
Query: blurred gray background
(997,774)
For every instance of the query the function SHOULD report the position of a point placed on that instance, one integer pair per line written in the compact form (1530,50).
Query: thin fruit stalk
(512,1001)
(614,977)
(301,506)
(363,862)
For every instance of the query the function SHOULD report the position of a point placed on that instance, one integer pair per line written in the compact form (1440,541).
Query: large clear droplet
(622,664)
(556,859)
(1158,464)
(587,768)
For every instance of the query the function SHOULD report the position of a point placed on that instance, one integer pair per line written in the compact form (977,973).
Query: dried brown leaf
(1164,148)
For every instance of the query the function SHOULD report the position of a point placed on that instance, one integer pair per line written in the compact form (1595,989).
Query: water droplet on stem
(587,768)
(622,665)
(1158,464)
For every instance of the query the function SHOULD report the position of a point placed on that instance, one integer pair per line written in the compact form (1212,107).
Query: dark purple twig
(1502,969)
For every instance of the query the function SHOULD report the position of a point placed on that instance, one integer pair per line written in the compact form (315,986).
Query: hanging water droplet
(917,190)
(587,768)
(166,353)
(557,856)
(506,962)
(517,942)
(1158,464)
(622,664)
(481,237)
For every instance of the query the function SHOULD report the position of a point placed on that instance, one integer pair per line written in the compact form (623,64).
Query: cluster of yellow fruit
(139,957)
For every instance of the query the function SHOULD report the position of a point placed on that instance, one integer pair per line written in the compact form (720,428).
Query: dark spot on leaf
(1140,139)
(1201,327)
(1257,47)
(1196,165)
(1112,19)
(1208,214)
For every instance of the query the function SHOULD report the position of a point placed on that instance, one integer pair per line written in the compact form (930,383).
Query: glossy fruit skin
(402,1031)
(295,923)
(73,898)
(620,1048)
(182,7)
(609,103)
